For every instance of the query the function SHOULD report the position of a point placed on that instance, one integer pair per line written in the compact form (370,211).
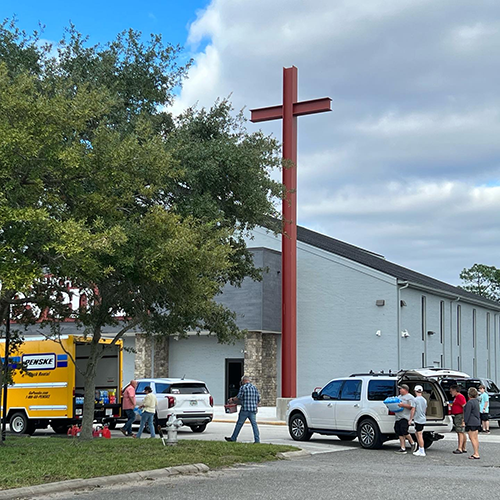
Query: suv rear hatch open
(428,378)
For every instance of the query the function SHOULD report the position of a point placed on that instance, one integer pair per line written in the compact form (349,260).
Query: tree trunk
(89,393)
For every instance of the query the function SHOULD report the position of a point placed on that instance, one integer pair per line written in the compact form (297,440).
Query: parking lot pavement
(352,475)
(268,434)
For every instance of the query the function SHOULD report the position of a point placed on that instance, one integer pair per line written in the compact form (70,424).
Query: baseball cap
(403,386)
(419,388)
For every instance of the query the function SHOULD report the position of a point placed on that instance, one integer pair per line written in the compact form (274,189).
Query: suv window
(331,390)
(141,386)
(378,390)
(189,388)
(162,388)
(351,390)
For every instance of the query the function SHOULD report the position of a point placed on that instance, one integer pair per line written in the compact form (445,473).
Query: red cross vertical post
(288,112)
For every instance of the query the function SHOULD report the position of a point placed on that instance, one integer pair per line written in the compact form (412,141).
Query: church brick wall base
(260,364)
(151,359)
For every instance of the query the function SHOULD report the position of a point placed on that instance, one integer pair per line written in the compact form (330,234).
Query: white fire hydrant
(173,423)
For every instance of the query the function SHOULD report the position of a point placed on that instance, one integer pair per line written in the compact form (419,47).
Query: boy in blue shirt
(484,408)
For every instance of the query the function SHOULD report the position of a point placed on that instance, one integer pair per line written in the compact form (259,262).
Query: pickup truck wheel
(111,424)
(60,428)
(369,434)
(346,438)
(19,424)
(298,428)
(198,428)
(428,441)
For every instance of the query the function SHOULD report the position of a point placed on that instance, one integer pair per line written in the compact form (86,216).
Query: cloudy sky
(408,163)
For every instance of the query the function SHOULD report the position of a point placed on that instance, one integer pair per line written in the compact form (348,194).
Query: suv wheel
(369,434)
(298,429)
(198,428)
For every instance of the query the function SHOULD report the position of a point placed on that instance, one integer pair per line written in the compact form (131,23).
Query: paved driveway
(353,473)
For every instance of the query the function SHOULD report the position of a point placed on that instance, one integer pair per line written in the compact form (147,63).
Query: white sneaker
(419,453)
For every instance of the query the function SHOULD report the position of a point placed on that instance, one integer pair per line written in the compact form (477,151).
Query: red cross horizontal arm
(299,108)
(289,111)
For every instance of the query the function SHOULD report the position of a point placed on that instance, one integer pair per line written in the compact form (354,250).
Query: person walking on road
(472,418)
(128,405)
(403,419)
(149,409)
(420,419)
(484,408)
(249,398)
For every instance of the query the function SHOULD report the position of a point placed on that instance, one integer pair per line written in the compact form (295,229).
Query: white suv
(188,400)
(353,407)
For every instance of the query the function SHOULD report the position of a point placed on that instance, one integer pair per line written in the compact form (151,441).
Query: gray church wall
(459,350)
(338,319)
(201,357)
(257,303)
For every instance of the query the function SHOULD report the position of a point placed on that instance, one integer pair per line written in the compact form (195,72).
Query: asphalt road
(348,472)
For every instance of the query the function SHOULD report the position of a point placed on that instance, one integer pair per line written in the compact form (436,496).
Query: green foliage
(482,280)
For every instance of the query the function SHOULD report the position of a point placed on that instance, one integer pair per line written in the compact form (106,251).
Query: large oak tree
(102,186)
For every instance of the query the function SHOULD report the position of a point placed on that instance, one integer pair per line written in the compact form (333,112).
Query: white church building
(356,311)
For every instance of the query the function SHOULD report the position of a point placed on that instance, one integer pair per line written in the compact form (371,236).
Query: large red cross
(288,111)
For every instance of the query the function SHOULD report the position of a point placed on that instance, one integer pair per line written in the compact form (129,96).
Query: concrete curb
(259,422)
(98,482)
(292,455)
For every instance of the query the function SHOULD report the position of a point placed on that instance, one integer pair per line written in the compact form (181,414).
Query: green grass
(26,461)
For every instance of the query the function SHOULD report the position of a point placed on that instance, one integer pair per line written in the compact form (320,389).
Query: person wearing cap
(403,418)
(419,419)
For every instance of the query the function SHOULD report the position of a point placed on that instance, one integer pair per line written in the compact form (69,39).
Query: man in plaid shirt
(249,399)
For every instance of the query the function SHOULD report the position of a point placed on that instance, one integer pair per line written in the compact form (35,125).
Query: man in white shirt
(419,419)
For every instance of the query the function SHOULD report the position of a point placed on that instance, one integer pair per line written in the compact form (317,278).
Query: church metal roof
(378,262)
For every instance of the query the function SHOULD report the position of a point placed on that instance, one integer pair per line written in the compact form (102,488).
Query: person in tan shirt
(149,409)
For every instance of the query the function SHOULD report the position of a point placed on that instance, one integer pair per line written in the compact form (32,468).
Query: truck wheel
(428,441)
(369,434)
(198,428)
(19,424)
(110,423)
(59,428)
(298,428)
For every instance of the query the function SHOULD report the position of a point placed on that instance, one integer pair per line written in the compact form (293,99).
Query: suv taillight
(211,401)
(171,401)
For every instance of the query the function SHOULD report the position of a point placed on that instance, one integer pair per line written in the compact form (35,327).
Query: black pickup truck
(465,383)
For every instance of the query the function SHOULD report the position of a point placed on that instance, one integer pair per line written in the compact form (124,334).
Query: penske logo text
(39,361)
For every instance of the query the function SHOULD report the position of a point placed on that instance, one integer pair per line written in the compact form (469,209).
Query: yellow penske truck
(53,393)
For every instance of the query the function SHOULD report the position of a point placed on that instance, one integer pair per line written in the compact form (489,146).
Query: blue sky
(408,163)
(102,20)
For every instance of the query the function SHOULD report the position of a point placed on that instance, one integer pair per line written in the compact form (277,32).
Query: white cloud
(408,163)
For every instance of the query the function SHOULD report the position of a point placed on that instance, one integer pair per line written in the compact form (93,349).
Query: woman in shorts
(472,418)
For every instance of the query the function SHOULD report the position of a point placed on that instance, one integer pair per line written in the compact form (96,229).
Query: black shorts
(485,417)
(419,427)
(469,428)
(401,427)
